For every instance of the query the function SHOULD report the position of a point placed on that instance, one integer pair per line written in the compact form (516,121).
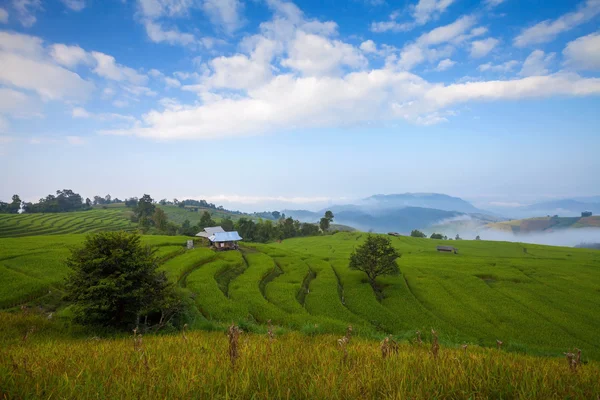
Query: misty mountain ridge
(399,212)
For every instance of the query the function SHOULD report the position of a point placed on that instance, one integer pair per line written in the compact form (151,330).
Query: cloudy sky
(269,103)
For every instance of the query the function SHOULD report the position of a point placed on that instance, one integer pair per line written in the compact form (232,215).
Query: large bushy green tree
(375,257)
(114,282)
(326,221)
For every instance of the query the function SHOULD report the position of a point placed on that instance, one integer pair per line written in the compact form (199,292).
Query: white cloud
(119,103)
(168,8)
(447,33)
(315,55)
(69,56)
(425,10)
(158,34)
(445,64)
(3,16)
(172,82)
(75,5)
(75,140)
(368,46)
(289,102)
(547,30)
(507,66)
(50,81)
(422,12)
(481,48)
(26,10)
(79,112)
(493,3)
(536,63)
(422,49)
(107,67)
(29,46)
(584,52)
(224,13)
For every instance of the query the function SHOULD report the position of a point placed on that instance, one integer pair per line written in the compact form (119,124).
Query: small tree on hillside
(375,257)
(115,282)
(436,236)
(206,220)
(477,237)
(227,224)
(417,233)
(326,221)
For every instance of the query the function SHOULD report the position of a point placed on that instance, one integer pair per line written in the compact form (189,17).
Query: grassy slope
(96,220)
(540,301)
(31,266)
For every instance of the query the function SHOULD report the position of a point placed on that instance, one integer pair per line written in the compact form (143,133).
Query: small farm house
(225,240)
(447,249)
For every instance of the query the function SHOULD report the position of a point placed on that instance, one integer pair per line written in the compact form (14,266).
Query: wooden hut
(225,240)
(447,249)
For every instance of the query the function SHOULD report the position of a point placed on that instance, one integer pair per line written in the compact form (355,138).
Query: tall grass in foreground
(203,365)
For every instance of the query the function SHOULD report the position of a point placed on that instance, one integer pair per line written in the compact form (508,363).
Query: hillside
(545,224)
(537,299)
(111,219)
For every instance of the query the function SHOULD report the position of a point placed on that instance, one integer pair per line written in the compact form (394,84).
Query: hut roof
(218,237)
(209,231)
(447,248)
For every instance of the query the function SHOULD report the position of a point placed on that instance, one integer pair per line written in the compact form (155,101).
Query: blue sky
(273,104)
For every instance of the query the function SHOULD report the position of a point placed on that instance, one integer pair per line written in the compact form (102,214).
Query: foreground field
(50,363)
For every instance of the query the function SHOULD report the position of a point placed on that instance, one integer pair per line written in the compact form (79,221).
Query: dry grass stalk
(183,332)
(233,333)
(388,347)
(464,347)
(137,340)
(419,340)
(270,333)
(348,333)
(499,344)
(573,359)
(435,346)
(343,343)
(28,332)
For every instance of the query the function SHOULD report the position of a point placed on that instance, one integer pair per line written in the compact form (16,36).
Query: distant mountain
(424,200)
(399,212)
(401,220)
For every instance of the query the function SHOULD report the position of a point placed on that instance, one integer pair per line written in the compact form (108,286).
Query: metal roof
(209,231)
(225,237)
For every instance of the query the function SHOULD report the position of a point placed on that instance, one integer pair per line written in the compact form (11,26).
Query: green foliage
(436,236)
(227,224)
(375,257)
(325,222)
(114,281)
(65,200)
(417,233)
(206,221)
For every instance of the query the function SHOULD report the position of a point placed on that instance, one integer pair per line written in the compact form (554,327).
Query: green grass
(33,265)
(95,220)
(542,301)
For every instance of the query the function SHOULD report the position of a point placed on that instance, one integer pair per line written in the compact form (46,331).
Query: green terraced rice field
(97,220)
(34,265)
(542,301)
